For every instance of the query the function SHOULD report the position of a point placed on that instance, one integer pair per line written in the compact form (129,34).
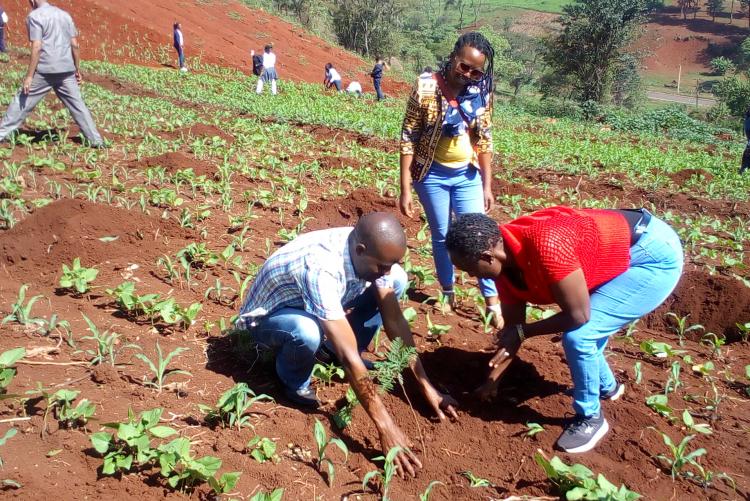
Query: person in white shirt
(354,87)
(332,78)
(269,70)
(426,73)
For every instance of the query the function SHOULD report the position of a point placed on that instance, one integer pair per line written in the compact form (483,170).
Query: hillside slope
(219,31)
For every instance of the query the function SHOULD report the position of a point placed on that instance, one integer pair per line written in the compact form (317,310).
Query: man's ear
(360,249)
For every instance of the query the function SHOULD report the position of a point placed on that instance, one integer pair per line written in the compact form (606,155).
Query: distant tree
(714,7)
(458,6)
(594,37)
(734,92)
(366,26)
(722,65)
(687,5)
(627,87)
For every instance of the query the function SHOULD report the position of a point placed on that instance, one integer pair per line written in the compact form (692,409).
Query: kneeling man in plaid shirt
(326,293)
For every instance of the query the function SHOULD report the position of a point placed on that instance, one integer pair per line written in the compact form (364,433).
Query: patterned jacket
(423,124)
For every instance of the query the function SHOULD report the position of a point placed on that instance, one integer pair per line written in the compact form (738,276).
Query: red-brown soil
(176,160)
(220,33)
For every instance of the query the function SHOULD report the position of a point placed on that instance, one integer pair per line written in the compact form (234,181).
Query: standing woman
(446,150)
(179,44)
(269,70)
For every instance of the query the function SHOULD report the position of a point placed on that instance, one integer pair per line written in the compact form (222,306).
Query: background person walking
(377,76)
(54,65)
(446,150)
(179,45)
(269,70)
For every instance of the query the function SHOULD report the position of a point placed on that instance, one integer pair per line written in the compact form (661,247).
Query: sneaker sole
(620,391)
(591,443)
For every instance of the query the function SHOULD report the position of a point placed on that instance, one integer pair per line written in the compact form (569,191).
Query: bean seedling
(77,277)
(7,372)
(322,442)
(262,449)
(274,495)
(233,406)
(577,481)
(61,403)
(532,429)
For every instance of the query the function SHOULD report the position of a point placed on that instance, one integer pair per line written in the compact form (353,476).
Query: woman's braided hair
(478,41)
(472,234)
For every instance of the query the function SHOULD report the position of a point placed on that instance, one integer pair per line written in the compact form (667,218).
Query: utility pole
(679,77)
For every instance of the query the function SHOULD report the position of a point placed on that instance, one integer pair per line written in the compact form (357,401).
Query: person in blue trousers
(446,151)
(3,22)
(324,295)
(377,77)
(178,41)
(603,268)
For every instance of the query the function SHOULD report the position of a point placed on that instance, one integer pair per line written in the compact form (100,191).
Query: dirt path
(678,98)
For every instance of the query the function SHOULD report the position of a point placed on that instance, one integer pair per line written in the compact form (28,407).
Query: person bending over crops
(325,294)
(446,150)
(332,78)
(603,268)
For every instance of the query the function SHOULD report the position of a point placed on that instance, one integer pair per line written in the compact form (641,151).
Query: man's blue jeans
(655,268)
(444,191)
(295,335)
(180,56)
(378,90)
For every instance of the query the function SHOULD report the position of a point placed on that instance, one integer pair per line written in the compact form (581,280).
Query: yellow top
(454,152)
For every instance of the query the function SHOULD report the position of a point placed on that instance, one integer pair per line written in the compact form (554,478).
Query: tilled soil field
(489,440)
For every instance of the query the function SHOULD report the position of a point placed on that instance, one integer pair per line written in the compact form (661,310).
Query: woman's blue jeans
(444,191)
(295,335)
(655,267)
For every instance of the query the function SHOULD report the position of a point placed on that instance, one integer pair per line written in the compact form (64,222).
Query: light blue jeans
(295,335)
(444,191)
(655,267)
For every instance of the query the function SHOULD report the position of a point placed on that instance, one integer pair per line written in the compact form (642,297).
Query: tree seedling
(262,449)
(388,473)
(159,369)
(322,442)
(184,472)
(21,310)
(233,406)
(577,482)
(77,277)
(7,372)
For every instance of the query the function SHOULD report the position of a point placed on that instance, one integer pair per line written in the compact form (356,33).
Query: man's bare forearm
(36,50)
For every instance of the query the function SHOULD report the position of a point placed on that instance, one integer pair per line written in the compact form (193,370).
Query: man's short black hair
(472,234)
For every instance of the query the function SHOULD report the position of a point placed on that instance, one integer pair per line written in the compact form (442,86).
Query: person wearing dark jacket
(377,76)
(746,155)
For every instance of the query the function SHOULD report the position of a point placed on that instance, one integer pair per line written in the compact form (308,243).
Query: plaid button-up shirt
(314,272)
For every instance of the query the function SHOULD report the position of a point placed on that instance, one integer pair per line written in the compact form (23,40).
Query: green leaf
(10,357)
(8,435)
(162,431)
(369,476)
(101,441)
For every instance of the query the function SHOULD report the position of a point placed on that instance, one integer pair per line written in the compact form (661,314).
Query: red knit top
(550,244)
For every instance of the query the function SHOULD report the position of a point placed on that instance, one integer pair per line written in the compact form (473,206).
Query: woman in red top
(603,268)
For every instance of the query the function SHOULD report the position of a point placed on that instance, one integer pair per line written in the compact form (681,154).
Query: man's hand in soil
(396,326)
(344,345)
(405,461)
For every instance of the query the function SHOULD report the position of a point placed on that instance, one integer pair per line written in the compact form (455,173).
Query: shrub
(722,66)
